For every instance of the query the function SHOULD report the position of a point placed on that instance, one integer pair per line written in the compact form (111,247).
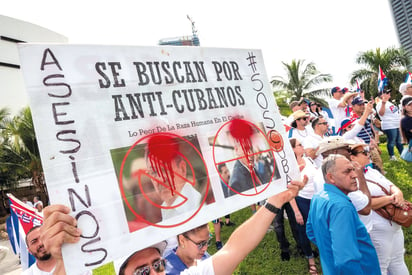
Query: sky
(326,32)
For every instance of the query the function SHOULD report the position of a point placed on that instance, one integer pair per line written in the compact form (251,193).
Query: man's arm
(345,99)
(249,234)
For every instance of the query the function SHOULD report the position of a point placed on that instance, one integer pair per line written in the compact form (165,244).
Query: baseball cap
(159,246)
(344,90)
(304,100)
(407,101)
(335,89)
(358,100)
(345,124)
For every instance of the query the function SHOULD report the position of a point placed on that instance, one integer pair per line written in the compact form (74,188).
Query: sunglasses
(158,266)
(303,118)
(200,244)
(364,152)
(323,123)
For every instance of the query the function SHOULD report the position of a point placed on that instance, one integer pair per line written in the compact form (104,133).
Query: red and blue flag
(358,89)
(22,219)
(382,80)
(408,78)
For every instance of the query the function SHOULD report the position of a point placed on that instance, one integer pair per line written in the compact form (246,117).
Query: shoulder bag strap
(383,188)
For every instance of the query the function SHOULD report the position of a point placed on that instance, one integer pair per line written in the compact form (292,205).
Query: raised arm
(58,228)
(249,234)
(385,98)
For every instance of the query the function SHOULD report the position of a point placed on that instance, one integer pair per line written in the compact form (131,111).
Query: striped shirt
(366,133)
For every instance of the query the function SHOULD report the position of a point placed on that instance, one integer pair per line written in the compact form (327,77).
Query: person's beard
(45,257)
(42,256)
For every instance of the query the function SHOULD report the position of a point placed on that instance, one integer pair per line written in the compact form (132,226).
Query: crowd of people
(349,135)
(331,210)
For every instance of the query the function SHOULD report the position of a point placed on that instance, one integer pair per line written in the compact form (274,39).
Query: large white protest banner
(133,138)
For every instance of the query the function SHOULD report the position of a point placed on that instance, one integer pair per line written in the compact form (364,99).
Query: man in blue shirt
(334,225)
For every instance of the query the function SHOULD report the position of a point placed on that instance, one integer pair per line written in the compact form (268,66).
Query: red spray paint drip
(162,149)
(242,132)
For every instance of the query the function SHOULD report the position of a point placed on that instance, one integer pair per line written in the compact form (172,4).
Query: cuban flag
(22,219)
(408,78)
(358,89)
(382,80)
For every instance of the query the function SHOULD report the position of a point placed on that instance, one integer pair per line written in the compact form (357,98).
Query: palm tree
(19,150)
(303,79)
(4,118)
(393,63)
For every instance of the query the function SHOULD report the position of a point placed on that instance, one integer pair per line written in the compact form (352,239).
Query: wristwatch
(272,208)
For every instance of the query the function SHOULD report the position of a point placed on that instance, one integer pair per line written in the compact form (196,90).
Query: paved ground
(9,265)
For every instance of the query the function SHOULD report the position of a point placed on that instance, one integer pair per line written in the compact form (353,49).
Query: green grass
(265,259)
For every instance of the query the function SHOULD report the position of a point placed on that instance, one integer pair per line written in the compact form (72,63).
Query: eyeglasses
(199,245)
(158,266)
(364,152)
(323,123)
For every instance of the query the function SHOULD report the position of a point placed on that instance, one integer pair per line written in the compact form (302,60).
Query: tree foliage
(302,80)
(19,153)
(393,63)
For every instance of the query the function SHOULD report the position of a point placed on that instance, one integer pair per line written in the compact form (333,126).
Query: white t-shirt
(391,118)
(312,142)
(188,208)
(310,171)
(203,268)
(300,135)
(34,270)
(338,113)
